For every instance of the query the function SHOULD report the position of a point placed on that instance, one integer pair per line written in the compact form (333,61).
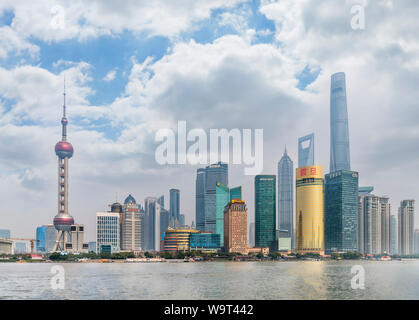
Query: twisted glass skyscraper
(339,132)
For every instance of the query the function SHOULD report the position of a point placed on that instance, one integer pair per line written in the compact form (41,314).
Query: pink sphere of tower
(63,222)
(64,149)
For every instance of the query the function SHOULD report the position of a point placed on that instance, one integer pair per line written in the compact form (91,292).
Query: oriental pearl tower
(63,221)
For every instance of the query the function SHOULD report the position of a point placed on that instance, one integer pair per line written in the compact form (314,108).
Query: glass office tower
(174,207)
(306,151)
(265,211)
(222,197)
(236,193)
(199,199)
(339,132)
(340,216)
(215,173)
(286,195)
(45,238)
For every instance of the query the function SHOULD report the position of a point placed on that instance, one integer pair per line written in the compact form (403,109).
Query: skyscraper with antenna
(63,220)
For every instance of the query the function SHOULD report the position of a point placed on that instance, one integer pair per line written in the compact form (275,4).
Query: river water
(212,280)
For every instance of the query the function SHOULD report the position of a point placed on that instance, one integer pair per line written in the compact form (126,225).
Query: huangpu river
(211,280)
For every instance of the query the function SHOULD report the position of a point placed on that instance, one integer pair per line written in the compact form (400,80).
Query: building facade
(265,211)
(45,238)
(235,227)
(178,239)
(406,227)
(205,242)
(339,131)
(108,230)
(4,234)
(341,208)
(286,195)
(310,210)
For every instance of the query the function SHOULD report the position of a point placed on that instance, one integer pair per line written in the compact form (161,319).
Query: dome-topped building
(130,199)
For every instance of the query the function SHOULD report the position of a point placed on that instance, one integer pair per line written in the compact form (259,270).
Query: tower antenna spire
(64,106)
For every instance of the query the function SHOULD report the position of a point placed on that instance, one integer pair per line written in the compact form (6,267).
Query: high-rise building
(235,227)
(215,173)
(108,230)
(116,207)
(306,151)
(164,219)
(222,197)
(406,227)
(182,220)
(160,201)
(373,222)
(252,234)
(174,207)
(393,235)
(339,132)
(4,234)
(385,224)
(199,199)
(362,191)
(340,214)
(152,230)
(416,241)
(236,193)
(131,226)
(45,238)
(310,210)
(286,195)
(265,211)
(63,220)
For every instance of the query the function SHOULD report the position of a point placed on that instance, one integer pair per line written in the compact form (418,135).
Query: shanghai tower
(339,132)
(63,221)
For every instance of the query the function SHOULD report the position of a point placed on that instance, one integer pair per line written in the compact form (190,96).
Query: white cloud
(110,76)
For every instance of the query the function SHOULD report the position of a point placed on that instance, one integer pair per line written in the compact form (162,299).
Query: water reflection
(213,280)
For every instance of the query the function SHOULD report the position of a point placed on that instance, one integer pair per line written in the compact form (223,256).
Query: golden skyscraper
(310,210)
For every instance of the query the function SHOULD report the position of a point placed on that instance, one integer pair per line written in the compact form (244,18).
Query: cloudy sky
(133,67)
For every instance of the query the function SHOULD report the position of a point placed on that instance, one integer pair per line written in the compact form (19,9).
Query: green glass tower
(236,193)
(340,217)
(222,197)
(265,211)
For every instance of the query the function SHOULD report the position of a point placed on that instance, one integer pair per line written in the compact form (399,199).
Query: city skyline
(253,66)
